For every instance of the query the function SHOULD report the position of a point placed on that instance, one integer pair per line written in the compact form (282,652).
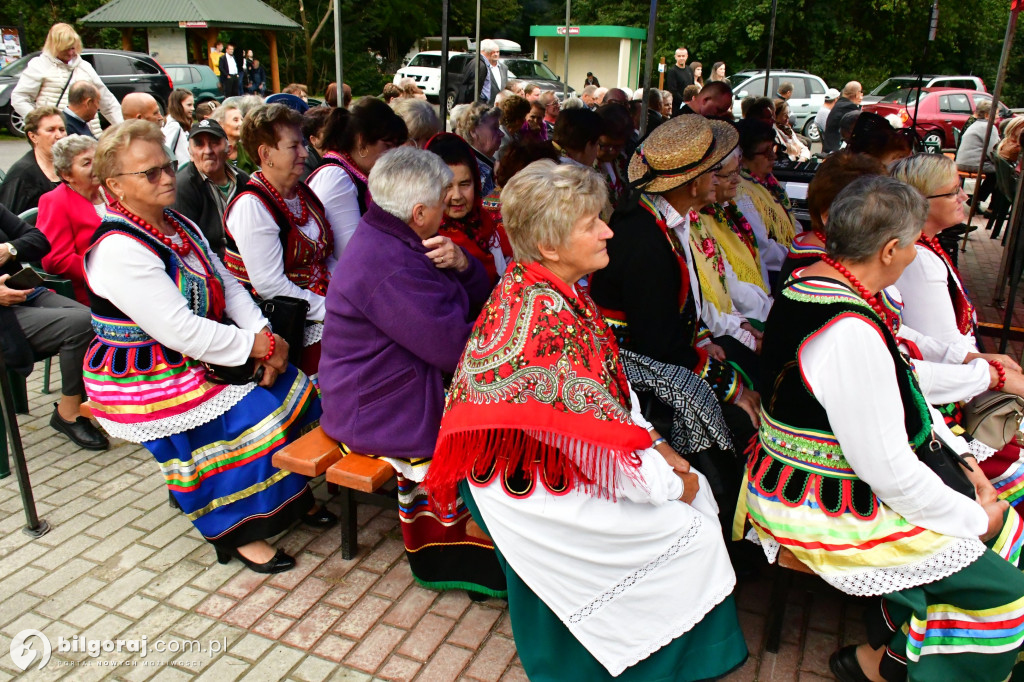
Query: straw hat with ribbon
(680,150)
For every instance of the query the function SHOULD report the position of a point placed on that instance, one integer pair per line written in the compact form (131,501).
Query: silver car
(808,95)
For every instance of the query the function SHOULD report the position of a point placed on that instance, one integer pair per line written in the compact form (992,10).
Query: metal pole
(648,66)
(565,81)
(476,68)
(443,99)
(933,25)
(771,44)
(1011,27)
(34,526)
(1012,258)
(337,54)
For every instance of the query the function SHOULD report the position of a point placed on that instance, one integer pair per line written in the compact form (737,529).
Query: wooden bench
(786,564)
(356,477)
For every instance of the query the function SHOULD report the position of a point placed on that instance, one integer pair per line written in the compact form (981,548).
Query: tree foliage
(865,40)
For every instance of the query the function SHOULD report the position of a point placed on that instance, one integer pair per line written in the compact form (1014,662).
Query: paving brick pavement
(119,563)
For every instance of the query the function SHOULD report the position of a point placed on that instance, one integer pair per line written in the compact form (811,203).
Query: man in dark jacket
(83,103)
(257,78)
(37,323)
(677,78)
(209,183)
(849,101)
(229,72)
(493,75)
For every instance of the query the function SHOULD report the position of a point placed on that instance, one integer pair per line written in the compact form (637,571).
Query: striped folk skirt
(968,626)
(221,472)
(446,550)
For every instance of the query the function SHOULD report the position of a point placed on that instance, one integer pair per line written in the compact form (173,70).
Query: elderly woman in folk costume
(760,197)
(279,241)
(647,296)
(733,309)
(465,221)
(947,372)
(900,509)
(936,303)
(596,519)
(184,363)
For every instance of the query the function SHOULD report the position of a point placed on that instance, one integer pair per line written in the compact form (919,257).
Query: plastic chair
(61,287)
(29,216)
(1006,187)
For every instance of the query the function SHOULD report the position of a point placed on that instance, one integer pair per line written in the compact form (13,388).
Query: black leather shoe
(280,563)
(844,665)
(81,431)
(321,518)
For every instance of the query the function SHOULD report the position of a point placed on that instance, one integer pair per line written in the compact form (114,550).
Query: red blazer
(68,220)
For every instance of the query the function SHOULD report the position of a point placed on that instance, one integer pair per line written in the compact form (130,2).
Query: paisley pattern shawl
(540,387)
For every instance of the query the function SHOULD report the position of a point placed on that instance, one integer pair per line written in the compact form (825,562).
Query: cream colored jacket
(43,79)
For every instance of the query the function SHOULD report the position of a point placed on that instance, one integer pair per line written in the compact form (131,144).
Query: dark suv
(122,72)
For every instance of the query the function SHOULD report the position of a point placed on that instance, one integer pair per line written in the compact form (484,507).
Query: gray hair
(567,192)
(868,213)
(487,46)
(247,103)
(572,102)
(406,176)
(927,173)
(420,118)
(66,149)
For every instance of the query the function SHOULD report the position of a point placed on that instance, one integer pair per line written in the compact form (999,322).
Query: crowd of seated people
(569,340)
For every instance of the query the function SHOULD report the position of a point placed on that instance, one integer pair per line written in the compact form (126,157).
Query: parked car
(891,85)
(122,72)
(198,79)
(534,71)
(808,95)
(939,111)
(425,69)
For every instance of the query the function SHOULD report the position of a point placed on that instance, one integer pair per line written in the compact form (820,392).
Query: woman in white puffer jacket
(47,79)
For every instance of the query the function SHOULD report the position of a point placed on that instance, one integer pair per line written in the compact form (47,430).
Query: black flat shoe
(280,563)
(321,518)
(81,431)
(843,664)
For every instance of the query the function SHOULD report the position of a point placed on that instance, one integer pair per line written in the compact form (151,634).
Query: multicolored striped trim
(220,456)
(1009,485)
(816,291)
(798,249)
(120,333)
(1011,538)
(815,452)
(950,630)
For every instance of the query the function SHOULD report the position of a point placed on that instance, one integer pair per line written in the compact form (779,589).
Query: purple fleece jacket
(395,324)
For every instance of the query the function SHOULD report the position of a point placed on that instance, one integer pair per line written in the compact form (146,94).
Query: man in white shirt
(820,118)
(493,74)
(229,72)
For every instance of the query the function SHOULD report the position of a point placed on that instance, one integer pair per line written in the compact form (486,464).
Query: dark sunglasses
(153,174)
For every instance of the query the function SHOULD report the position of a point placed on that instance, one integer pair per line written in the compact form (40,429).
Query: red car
(940,110)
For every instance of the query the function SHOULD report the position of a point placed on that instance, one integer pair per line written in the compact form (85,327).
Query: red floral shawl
(540,364)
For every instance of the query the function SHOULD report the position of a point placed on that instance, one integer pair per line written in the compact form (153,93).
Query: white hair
(456,114)
(419,116)
(405,177)
(488,46)
(66,149)
(573,102)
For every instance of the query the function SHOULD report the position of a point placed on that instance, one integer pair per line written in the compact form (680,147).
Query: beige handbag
(994,418)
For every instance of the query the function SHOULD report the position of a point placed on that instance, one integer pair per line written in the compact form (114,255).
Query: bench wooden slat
(310,455)
(360,472)
(788,560)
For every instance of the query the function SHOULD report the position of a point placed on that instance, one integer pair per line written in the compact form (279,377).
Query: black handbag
(242,374)
(287,317)
(949,466)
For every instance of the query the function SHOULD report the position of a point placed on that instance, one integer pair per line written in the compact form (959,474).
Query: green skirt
(549,652)
(967,626)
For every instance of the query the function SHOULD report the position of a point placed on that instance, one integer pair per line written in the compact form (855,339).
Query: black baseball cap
(209,127)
